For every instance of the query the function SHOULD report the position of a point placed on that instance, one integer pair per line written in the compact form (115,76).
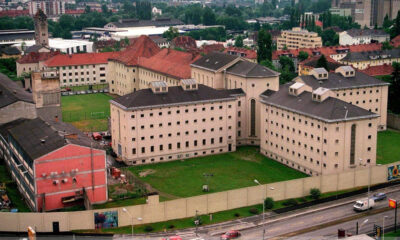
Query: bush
(303,199)
(148,228)
(253,210)
(290,202)
(315,193)
(171,226)
(269,203)
(236,215)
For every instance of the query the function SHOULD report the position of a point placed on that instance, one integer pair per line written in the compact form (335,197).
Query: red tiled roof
(142,46)
(311,62)
(80,59)
(185,42)
(396,41)
(170,62)
(35,57)
(250,54)
(328,51)
(74,11)
(14,13)
(385,69)
(212,48)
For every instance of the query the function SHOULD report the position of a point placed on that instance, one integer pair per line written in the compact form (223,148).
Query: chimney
(56,118)
(43,141)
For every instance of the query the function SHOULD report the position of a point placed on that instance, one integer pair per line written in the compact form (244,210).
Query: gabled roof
(381,70)
(145,98)
(10,92)
(141,47)
(250,70)
(242,52)
(36,57)
(214,61)
(327,51)
(312,62)
(10,51)
(395,41)
(80,59)
(372,55)
(337,81)
(170,62)
(35,48)
(366,32)
(329,110)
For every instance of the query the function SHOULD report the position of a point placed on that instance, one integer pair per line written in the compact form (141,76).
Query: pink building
(55,166)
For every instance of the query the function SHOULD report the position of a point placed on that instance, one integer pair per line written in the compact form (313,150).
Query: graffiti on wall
(393,172)
(107,219)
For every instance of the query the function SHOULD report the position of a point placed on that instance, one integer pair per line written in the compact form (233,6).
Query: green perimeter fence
(71,116)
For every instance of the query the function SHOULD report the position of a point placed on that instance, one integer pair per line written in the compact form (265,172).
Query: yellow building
(363,60)
(353,87)
(298,38)
(314,132)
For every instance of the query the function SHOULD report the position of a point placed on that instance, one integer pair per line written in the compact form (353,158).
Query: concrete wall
(155,211)
(17,110)
(393,121)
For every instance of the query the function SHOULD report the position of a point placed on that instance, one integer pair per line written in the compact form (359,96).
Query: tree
(387,23)
(329,38)
(171,33)
(302,56)
(268,64)
(268,203)
(143,10)
(264,44)
(396,26)
(239,41)
(209,17)
(315,193)
(287,69)
(386,46)
(322,62)
(87,9)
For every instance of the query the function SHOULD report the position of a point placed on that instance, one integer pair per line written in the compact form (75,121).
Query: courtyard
(87,112)
(221,172)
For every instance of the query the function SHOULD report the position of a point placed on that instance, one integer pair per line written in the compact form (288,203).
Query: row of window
(178,123)
(82,80)
(179,111)
(178,145)
(358,93)
(179,133)
(83,73)
(81,67)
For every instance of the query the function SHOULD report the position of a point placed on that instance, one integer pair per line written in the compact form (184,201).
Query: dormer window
(189,84)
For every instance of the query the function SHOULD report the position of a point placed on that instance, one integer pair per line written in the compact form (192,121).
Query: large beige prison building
(164,123)
(314,132)
(298,38)
(223,71)
(81,68)
(353,87)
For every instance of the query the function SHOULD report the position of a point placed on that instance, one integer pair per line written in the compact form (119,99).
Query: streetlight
(126,211)
(271,188)
(383,227)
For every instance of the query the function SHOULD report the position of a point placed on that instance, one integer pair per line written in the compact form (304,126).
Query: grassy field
(230,171)
(388,149)
(87,112)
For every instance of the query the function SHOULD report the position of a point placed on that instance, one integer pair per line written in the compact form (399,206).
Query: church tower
(41,28)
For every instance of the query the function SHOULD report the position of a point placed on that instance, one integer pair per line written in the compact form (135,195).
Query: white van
(362,204)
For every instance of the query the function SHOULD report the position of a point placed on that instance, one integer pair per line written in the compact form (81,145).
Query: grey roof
(30,133)
(337,81)
(145,98)
(250,69)
(16,35)
(34,48)
(329,110)
(11,92)
(10,51)
(366,32)
(372,55)
(214,60)
(160,22)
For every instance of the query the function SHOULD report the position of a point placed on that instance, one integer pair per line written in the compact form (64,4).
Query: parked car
(172,238)
(230,235)
(101,90)
(82,92)
(379,196)
(89,91)
(95,91)
(71,93)
(106,90)
(64,93)
(362,204)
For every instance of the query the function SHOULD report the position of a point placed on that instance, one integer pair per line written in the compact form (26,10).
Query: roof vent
(159,87)
(346,71)
(43,141)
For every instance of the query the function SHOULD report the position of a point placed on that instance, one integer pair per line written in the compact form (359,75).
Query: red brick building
(54,164)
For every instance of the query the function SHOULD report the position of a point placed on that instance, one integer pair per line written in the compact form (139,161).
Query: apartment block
(165,123)
(362,36)
(298,38)
(353,87)
(314,132)
(363,60)
(81,68)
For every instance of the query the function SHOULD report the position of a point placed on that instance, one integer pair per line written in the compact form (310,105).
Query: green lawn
(392,235)
(230,171)
(388,149)
(87,112)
